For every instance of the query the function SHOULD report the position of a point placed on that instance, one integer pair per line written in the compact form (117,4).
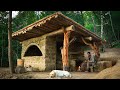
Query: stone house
(41,42)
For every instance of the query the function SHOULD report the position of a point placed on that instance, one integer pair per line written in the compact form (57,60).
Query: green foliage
(23,19)
(3,39)
(117,46)
(89,19)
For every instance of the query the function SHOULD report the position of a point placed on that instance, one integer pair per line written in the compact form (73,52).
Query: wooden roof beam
(60,31)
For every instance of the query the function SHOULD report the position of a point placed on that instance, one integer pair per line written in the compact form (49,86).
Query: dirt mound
(111,53)
(112,72)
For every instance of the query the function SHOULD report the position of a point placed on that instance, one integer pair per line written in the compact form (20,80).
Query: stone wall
(47,46)
(37,62)
(50,56)
(76,53)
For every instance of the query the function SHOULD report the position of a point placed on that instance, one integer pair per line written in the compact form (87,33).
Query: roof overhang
(50,24)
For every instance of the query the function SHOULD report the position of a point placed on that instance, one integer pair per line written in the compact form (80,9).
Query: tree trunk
(65,51)
(10,42)
(2,48)
(82,18)
(118,35)
(94,24)
(94,46)
(112,26)
(101,25)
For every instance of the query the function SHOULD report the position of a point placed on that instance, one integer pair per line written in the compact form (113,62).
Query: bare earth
(109,73)
(75,75)
(112,72)
(4,74)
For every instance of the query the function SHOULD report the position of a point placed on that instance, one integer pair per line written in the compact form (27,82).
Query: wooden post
(94,47)
(65,50)
(65,61)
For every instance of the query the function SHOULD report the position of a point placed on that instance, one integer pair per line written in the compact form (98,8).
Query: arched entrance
(33,50)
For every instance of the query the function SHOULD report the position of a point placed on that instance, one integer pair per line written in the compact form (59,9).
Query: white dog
(60,74)
(29,68)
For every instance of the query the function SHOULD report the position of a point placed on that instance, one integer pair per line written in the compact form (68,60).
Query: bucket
(20,62)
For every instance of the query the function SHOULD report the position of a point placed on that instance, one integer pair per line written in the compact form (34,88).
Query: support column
(65,60)
(94,47)
(65,51)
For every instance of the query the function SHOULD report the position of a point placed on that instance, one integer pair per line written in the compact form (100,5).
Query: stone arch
(33,50)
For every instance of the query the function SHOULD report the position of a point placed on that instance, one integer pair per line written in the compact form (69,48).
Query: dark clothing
(65,68)
(89,57)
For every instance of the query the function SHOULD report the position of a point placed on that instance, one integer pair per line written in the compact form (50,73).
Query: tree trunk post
(95,47)
(65,51)
(10,42)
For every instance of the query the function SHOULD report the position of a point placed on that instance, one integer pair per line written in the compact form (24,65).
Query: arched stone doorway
(33,50)
(34,57)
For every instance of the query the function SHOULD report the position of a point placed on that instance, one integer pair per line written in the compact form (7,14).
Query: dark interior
(33,51)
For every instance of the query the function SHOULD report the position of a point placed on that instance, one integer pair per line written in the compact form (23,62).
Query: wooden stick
(73,39)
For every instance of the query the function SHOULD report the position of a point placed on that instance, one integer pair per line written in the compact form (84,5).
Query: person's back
(93,57)
(89,56)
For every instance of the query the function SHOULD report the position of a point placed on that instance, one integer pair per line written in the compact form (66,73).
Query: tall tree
(101,24)
(9,42)
(112,25)
(3,38)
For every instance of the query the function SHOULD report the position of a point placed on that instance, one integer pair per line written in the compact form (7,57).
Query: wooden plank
(80,32)
(39,30)
(54,23)
(51,28)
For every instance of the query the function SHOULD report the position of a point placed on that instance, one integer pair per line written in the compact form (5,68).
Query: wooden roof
(49,24)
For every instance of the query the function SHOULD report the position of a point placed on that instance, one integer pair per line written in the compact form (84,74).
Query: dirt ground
(109,73)
(4,74)
(112,72)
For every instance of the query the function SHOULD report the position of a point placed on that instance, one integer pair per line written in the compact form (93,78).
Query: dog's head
(52,74)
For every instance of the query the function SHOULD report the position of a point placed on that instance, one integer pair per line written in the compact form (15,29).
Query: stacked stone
(50,56)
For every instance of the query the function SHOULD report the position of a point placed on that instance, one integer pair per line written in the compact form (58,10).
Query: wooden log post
(65,61)
(95,47)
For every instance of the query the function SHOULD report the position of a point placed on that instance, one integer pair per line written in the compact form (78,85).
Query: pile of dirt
(112,72)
